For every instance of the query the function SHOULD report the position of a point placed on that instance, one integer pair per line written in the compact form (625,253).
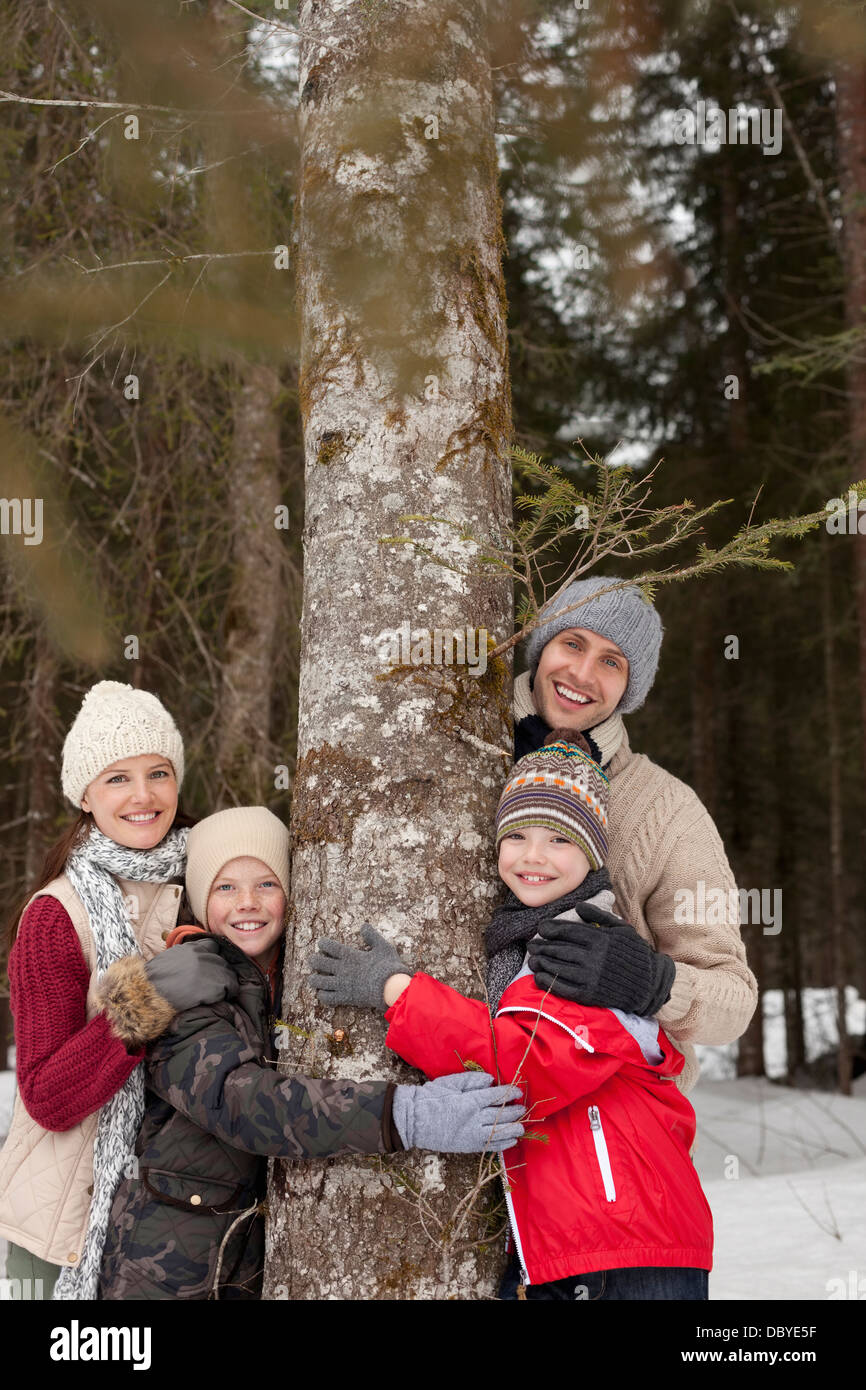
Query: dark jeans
(640,1284)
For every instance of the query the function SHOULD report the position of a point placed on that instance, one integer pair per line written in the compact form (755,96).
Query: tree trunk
(757,836)
(850,79)
(243,739)
(838,916)
(41,770)
(43,738)
(404,390)
(707,642)
(244,755)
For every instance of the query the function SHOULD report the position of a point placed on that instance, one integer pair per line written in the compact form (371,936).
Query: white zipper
(513,1219)
(517,1009)
(601,1153)
(581,1042)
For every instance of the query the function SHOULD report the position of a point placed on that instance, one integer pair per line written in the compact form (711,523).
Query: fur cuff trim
(137,1012)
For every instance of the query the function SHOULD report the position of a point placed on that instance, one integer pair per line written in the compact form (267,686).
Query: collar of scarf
(93,869)
(165,861)
(608,735)
(514,921)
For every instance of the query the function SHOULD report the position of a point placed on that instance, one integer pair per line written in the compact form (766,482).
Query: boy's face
(538,865)
(580,680)
(246,905)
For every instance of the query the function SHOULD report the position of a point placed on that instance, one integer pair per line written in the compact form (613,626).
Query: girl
(106,901)
(186,1221)
(610,1205)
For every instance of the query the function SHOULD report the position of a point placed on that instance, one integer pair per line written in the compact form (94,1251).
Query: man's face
(580,680)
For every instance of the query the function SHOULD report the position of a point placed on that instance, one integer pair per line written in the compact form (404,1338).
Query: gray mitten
(347,975)
(192,973)
(459,1114)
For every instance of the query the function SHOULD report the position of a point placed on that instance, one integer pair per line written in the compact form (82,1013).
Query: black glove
(192,973)
(602,962)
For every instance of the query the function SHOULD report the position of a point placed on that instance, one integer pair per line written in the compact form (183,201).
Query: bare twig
(174,259)
(88,103)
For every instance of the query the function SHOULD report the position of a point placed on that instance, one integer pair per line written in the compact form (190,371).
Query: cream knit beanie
(233,834)
(116,721)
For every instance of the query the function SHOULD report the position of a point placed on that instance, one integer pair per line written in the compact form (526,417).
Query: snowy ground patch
(784,1171)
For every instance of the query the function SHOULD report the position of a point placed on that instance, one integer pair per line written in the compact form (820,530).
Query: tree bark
(838,915)
(406,404)
(248,669)
(850,80)
(245,763)
(43,739)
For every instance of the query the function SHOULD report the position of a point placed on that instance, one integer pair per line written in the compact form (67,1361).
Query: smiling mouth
(535,878)
(571,697)
(247,926)
(142,817)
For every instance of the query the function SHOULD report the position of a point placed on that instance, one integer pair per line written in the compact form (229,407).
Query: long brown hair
(55,861)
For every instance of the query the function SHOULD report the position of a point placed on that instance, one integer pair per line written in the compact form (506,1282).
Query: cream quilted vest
(46,1176)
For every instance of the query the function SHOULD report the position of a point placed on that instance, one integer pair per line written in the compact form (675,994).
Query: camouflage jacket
(215,1109)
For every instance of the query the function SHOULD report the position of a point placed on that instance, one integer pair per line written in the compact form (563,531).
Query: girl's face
(134,800)
(247,906)
(538,865)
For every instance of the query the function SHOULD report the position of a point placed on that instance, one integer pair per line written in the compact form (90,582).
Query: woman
(92,933)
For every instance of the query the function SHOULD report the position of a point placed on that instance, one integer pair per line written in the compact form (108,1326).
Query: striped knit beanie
(561,787)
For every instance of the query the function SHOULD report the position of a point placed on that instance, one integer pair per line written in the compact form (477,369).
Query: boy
(603,1199)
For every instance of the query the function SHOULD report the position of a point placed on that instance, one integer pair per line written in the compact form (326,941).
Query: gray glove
(192,973)
(347,975)
(458,1114)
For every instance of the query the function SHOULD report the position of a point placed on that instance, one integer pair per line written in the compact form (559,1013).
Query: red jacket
(614,1186)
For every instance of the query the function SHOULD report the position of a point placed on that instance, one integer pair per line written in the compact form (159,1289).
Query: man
(587,668)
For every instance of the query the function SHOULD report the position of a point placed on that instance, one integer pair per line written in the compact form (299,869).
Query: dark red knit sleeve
(67,1068)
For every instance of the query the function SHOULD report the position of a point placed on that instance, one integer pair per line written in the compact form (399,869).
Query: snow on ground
(784,1169)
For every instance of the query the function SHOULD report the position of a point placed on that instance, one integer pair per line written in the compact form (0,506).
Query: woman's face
(246,905)
(134,800)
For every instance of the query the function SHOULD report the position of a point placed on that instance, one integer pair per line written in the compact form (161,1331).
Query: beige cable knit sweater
(663,839)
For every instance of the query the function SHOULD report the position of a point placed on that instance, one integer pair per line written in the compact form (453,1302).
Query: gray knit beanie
(623,616)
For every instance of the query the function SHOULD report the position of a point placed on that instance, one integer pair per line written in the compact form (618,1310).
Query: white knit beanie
(242,831)
(116,721)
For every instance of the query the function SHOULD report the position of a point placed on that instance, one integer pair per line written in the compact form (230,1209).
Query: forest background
(702,304)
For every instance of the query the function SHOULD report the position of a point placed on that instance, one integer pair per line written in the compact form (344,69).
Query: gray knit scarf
(513,923)
(92,870)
